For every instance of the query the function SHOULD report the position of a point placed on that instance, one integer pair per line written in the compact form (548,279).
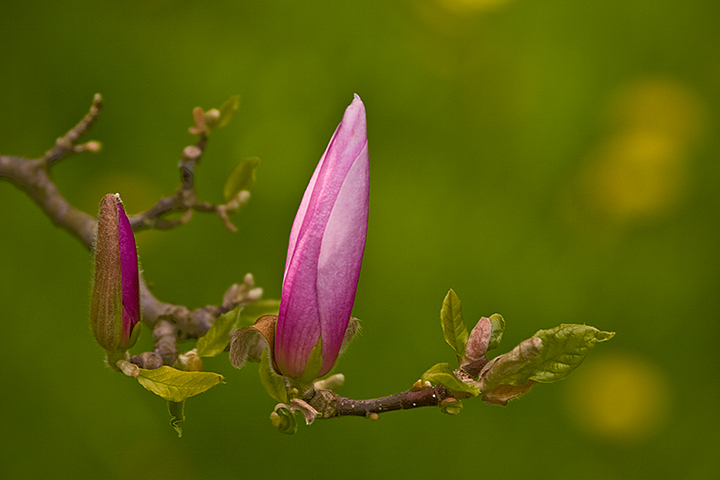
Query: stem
(331,405)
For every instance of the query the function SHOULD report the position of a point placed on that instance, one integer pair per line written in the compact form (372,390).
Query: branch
(65,145)
(185,198)
(33,177)
(330,405)
(170,323)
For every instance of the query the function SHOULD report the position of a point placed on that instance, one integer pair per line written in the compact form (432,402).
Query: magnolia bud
(325,253)
(115,303)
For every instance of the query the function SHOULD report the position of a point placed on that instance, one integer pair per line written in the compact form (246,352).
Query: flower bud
(115,303)
(325,253)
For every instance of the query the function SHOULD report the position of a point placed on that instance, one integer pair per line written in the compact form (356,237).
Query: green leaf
(241,178)
(498,328)
(453,325)
(227,110)
(217,337)
(564,349)
(255,310)
(274,384)
(177,415)
(176,385)
(443,374)
(549,356)
(313,366)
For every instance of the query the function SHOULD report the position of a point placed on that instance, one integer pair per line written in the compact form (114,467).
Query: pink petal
(130,274)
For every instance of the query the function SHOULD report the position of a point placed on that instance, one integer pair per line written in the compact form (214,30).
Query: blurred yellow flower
(463,6)
(636,174)
(620,398)
(659,105)
(639,170)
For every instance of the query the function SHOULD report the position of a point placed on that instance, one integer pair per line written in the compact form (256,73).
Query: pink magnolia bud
(325,253)
(115,304)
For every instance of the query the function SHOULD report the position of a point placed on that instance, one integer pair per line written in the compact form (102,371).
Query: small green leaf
(176,385)
(443,374)
(241,178)
(274,384)
(255,310)
(498,328)
(217,337)
(453,325)
(313,366)
(177,415)
(227,110)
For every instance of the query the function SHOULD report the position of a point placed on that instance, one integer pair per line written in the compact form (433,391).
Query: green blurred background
(550,160)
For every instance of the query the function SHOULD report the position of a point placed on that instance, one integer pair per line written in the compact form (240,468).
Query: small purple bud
(115,303)
(325,252)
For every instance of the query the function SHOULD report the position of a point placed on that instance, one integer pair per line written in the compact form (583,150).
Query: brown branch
(330,405)
(170,323)
(32,176)
(185,198)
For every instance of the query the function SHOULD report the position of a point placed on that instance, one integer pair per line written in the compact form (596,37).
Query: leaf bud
(451,406)
(211,117)
(478,341)
(284,420)
(189,361)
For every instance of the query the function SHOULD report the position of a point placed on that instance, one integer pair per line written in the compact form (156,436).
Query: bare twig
(66,144)
(185,198)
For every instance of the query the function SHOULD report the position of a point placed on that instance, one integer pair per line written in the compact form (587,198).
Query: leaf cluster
(546,357)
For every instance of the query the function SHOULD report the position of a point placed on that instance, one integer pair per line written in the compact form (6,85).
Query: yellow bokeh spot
(636,174)
(640,169)
(660,105)
(620,398)
(467,6)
